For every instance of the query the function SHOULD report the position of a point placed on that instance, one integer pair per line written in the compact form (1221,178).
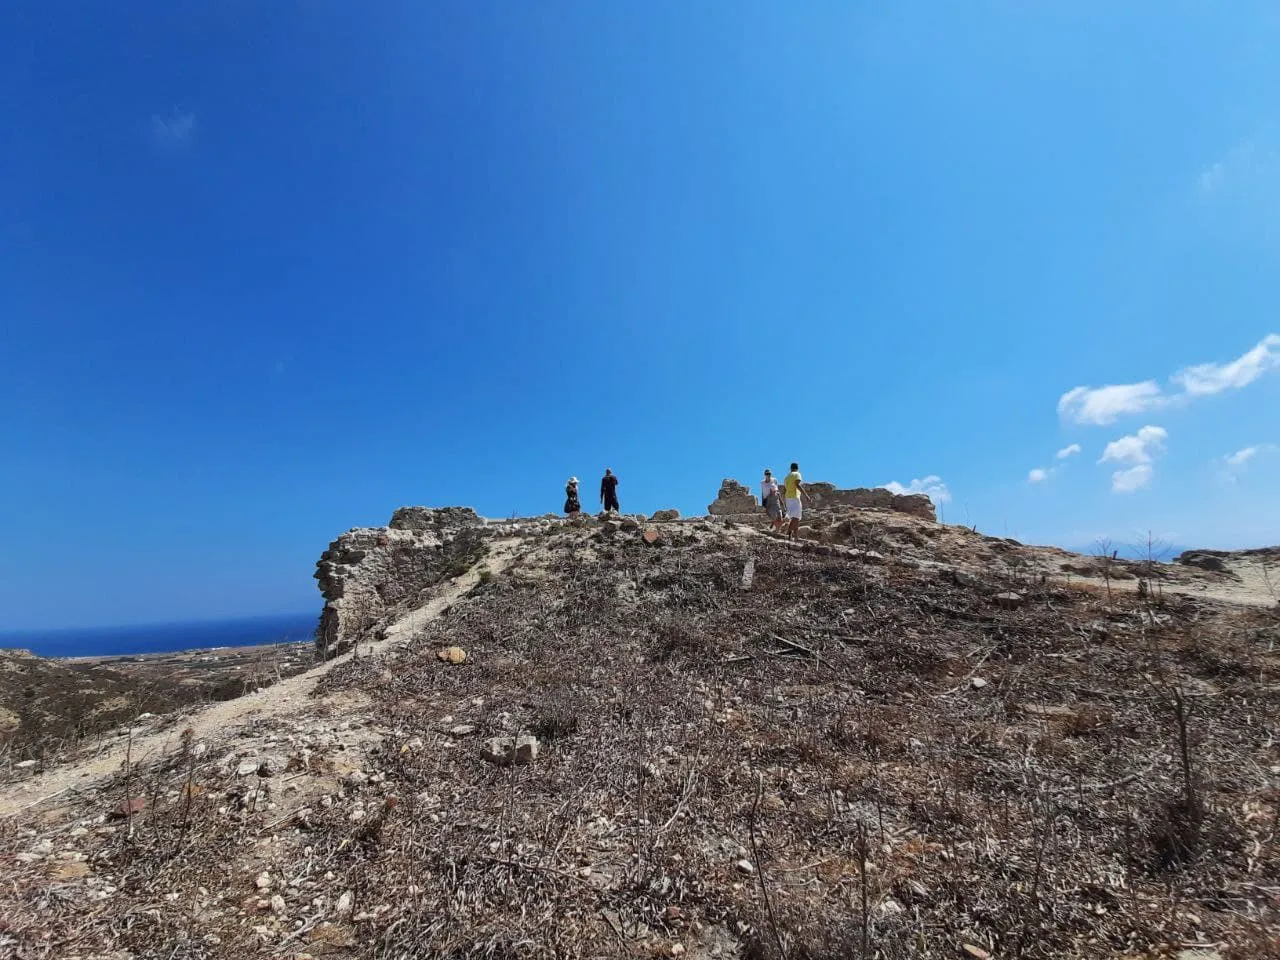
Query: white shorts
(793,508)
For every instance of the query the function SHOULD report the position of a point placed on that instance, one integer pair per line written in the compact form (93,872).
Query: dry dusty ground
(866,754)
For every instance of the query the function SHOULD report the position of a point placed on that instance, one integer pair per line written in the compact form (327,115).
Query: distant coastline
(164,637)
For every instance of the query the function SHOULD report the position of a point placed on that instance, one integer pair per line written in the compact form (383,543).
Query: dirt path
(291,696)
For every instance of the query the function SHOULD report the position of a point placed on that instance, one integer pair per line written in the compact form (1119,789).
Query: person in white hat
(572,506)
(771,498)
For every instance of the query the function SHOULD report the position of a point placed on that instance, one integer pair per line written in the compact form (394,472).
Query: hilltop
(637,737)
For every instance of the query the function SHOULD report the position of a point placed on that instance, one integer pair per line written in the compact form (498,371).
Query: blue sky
(268,271)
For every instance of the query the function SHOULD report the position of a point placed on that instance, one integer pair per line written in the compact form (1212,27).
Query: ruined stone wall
(734,499)
(737,500)
(370,573)
(826,496)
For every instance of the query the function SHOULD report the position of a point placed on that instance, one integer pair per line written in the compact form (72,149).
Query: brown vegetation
(847,759)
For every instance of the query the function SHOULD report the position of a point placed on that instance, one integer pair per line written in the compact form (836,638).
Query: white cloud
(1241,457)
(1038,475)
(1132,479)
(1138,449)
(1234,465)
(932,486)
(1206,379)
(1103,405)
(178,126)
(1068,451)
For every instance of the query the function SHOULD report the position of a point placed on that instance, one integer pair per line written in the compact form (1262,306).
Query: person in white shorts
(793,484)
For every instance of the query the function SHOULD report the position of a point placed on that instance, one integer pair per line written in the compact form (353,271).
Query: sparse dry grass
(1041,814)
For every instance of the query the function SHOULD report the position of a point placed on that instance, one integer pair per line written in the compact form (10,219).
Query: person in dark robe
(609,492)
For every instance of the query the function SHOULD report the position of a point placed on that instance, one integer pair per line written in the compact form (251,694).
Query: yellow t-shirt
(792,482)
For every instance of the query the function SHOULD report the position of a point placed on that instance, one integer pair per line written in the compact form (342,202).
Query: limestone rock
(827,496)
(454,655)
(1046,710)
(128,808)
(1009,600)
(665,515)
(370,573)
(733,499)
(504,751)
(434,519)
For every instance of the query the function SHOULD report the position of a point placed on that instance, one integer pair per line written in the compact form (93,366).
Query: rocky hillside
(51,705)
(621,738)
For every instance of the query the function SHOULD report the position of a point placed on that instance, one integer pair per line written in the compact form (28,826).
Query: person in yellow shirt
(793,485)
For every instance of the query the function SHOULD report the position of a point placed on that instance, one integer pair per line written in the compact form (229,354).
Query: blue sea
(164,638)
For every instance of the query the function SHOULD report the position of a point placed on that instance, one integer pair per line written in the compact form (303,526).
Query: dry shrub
(555,721)
(1086,721)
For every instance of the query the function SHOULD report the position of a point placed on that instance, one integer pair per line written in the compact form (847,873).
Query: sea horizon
(163,637)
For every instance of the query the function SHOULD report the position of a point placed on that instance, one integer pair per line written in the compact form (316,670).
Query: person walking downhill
(609,492)
(572,506)
(771,499)
(793,485)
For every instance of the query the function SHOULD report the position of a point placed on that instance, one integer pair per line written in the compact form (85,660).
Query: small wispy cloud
(1102,405)
(1041,474)
(1138,450)
(1132,479)
(177,126)
(1099,406)
(1235,465)
(1241,457)
(1246,172)
(1239,160)
(932,486)
(1206,379)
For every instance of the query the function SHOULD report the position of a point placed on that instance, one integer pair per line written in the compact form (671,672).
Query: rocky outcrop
(442,521)
(735,499)
(1212,560)
(371,572)
(827,496)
